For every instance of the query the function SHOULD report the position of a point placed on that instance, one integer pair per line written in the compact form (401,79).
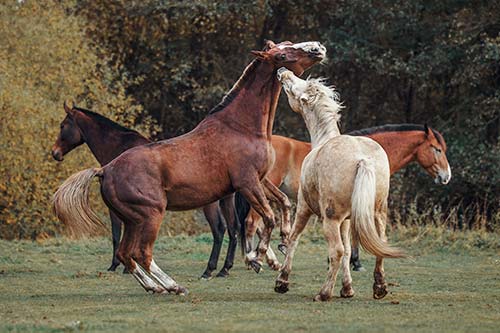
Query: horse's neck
(104,141)
(401,147)
(254,107)
(322,127)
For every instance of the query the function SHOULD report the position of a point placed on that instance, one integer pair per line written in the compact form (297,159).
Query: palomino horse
(343,176)
(403,143)
(107,140)
(230,150)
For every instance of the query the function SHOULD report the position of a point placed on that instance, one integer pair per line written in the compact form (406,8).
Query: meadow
(61,285)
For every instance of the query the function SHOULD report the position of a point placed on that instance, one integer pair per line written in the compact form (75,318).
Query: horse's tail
(71,204)
(242,210)
(363,226)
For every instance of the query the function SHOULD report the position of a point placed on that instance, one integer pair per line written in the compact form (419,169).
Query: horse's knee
(286,203)
(337,253)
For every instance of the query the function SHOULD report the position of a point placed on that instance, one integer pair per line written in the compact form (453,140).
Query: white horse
(342,177)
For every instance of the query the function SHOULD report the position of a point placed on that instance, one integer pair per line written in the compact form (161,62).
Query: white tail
(363,214)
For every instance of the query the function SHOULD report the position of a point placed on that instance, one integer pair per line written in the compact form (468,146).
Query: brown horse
(230,150)
(107,140)
(403,143)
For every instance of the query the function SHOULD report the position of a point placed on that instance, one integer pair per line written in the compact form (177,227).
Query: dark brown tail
(71,204)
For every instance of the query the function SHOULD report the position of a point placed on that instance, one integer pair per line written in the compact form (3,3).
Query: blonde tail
(363,212)
(71,204)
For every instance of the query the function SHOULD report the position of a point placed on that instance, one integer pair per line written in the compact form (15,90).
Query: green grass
(453,284)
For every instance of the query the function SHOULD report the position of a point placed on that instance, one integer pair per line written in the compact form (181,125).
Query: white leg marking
(146,282)
(163,279)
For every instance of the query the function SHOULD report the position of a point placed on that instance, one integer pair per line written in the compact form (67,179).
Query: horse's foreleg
(116,231)
(212,214)
(301,218)
(275,194)
(229,212)
(379,285)
(347,290)
(257,198)
(331,228)
(271,259)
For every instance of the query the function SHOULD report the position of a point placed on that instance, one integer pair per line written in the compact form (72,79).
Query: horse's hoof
(206,276)
(358,268)
(347,292)
(181,291)
(257,267)
(281,286)
(126,271)
(379,291)
(112,268)
(282,248)
(223,273)
(158,290)
(322,298)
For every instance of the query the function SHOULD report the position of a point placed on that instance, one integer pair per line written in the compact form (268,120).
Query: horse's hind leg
(229,212)
(116,230)
(331,228)
(212,214)
(275,194)
(127,245)
(301,218)
(379,286)
(143,254)
(347,290)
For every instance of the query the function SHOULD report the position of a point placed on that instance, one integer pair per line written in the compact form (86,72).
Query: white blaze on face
(444,176)
(306,47)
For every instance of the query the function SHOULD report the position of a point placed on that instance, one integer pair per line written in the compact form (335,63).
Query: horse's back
(329,171)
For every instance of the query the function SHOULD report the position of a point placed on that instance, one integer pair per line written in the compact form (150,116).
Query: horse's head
(69,136)
(431,155)
(296,57)
(304,94)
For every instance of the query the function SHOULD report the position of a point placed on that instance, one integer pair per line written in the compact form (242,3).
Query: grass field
(60,285)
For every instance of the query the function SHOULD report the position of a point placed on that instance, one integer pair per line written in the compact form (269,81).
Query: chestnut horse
(107,140)
(230,150)
(403,143)
(343,176)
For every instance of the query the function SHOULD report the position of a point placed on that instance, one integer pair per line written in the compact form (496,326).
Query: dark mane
(397,128)
(105,121)
(248,74)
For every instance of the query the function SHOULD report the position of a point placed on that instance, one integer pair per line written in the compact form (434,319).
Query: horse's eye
(281,56)
(437,150)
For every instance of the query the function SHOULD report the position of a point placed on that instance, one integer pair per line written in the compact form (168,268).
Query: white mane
(324,111)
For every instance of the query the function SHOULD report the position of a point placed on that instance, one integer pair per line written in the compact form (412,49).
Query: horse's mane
(326,99)
(248,74)
(105,121)
(398,128)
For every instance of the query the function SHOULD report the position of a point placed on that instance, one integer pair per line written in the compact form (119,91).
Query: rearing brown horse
(107,140)
(230,150)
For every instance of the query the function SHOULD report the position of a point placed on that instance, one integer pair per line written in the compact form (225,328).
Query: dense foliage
(392,61)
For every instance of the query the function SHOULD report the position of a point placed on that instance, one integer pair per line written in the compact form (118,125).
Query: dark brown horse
(107,140)
(230,150)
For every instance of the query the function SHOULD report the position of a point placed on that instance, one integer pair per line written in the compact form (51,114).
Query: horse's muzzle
(57,155)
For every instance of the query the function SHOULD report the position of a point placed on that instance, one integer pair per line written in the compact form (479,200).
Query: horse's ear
(68,107)
(426,129)
(268,44)
(262,55)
